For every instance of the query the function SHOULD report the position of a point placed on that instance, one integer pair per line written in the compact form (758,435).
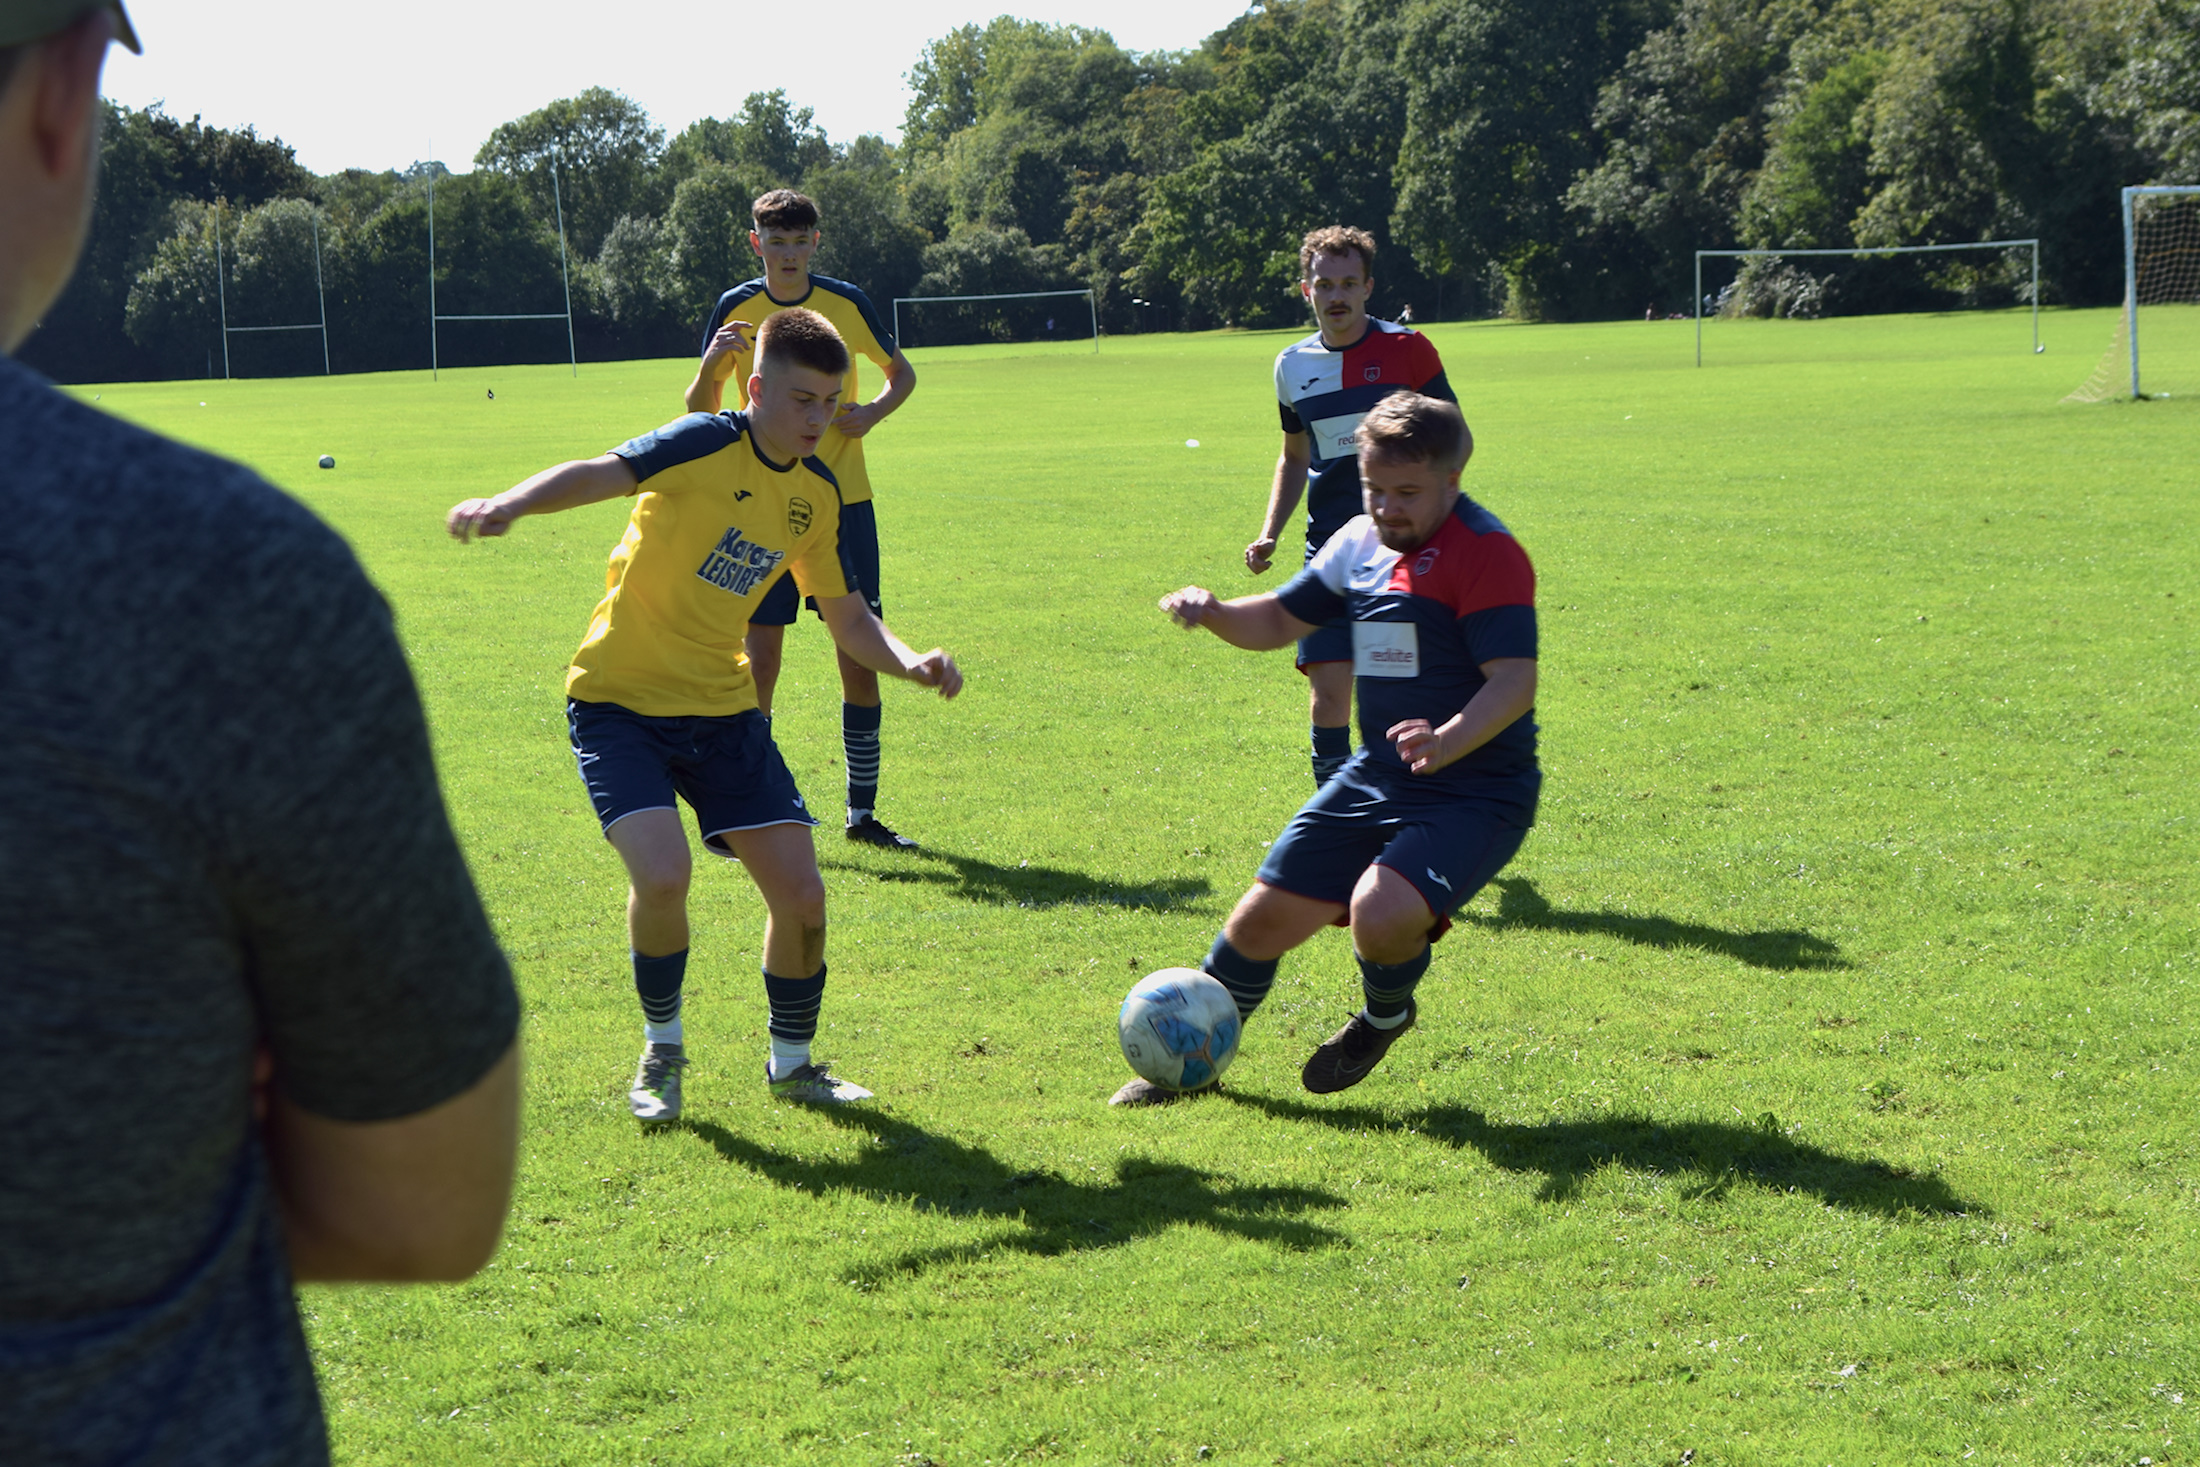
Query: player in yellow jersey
(786,236)
(659,696)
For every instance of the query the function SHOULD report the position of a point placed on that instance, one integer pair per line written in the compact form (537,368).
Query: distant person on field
(254,1026)
(785,236)
(1440,602)
(660,699)
(1324,385)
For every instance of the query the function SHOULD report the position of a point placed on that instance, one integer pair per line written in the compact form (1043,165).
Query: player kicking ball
(1441,601)
(659,697)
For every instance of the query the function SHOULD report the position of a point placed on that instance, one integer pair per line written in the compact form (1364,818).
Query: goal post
(221,295)
(1873,253)
(1092,307)
(2161,270)
(565,275)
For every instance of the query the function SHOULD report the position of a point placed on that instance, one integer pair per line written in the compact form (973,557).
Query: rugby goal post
(221,294)
(1883,250)
(2161,268)
(1092,305)
(565,273)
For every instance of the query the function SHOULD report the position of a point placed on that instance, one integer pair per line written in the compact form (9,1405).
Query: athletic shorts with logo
(727,769)
(1448,842)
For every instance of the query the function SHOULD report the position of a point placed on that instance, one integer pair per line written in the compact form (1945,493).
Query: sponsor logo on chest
(738,564)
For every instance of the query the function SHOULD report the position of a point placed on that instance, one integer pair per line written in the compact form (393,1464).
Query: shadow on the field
(1035,886)
(1047,1213)
(1519,904)
(1708,1157)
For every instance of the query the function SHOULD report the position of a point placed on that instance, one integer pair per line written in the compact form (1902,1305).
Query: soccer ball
(1179,1028)
(328,461)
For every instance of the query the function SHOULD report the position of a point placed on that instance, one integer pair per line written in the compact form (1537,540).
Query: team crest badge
(1374,373)
(1427,561)
(798,517)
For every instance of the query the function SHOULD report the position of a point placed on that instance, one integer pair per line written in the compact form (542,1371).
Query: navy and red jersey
(1324,393)
(1423,623)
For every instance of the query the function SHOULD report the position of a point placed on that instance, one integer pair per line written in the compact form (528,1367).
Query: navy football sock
(1247,980)
(794,1005)
(1332,747)
(1388,988)
(859,741)
(657,982)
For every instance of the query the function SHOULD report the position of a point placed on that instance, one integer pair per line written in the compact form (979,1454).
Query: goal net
(1024,323)
(2155,351)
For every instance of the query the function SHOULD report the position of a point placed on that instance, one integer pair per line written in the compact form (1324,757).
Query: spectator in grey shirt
(253,1023)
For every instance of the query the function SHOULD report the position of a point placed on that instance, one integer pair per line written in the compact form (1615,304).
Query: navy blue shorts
(858,562)
(727,769)
(1448,844)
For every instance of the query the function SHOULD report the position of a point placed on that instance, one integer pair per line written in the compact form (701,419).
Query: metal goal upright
(2160,290)
(221,295)
(565,272)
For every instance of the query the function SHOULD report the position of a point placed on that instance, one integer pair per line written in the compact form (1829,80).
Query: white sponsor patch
(1386,649)
(1333,436)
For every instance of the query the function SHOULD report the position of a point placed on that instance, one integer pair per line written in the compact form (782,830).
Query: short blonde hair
(1417,429)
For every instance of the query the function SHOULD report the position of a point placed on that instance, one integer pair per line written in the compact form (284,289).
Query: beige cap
(34,20)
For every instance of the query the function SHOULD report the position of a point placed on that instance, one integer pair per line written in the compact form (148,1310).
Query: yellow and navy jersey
(854,317)
(714,524)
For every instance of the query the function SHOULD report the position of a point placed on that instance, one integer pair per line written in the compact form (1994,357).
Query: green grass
(1817,1086)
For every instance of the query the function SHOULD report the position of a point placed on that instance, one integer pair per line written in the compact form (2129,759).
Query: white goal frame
(221,294)
(1013,295)
(565,271)
(1940,249)
(2131,267)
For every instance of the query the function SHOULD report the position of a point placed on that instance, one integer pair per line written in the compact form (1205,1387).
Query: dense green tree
(605,150)
(770,139)
(869,236)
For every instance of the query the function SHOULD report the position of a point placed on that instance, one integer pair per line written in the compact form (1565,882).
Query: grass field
(1817,1087)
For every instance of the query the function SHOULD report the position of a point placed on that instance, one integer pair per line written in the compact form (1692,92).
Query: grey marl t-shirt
(219,829)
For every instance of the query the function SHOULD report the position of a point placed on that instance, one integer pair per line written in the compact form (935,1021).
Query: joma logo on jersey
(739,564)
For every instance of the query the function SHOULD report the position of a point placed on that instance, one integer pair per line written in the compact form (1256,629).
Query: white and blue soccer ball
(1179,1028)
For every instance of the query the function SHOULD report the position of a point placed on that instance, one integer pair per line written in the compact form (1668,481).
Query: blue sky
(381,84)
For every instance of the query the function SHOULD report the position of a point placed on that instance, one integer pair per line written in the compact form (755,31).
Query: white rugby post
(1981,244)
(320,295)
(565,273)
(1091,303)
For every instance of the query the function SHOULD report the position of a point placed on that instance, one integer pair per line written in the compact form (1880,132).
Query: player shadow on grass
(1708,1157)
(1049,1214)
(1037,886)
(1519,904)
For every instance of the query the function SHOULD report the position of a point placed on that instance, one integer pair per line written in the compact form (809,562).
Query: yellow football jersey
(714,524)
(853,316)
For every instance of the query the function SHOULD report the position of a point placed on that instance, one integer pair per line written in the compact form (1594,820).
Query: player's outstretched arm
(1508,693)
(865,638)
(1283,497)
(569,485)
(1256,623)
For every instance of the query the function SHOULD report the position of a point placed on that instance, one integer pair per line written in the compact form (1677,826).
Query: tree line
(1543,159)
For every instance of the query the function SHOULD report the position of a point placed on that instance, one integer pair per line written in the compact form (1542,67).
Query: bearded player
(1439,600)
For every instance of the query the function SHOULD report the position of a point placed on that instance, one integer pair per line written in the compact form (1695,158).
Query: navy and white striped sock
(1247,980)
(657,983)
(859,741)
(1388,989)
(794,1007)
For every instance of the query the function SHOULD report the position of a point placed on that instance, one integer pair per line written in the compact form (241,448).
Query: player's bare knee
(660,888)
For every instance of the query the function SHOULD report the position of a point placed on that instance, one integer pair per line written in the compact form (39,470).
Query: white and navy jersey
(1423,623)
(1323,393)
